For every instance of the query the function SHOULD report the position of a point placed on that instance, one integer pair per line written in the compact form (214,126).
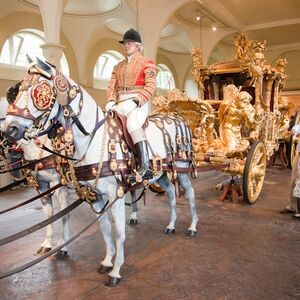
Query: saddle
(121,123)
(180,150)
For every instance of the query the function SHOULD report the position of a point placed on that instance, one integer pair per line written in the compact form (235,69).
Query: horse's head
(32,100)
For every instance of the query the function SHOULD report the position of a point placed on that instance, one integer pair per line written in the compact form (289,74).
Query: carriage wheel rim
(256,174)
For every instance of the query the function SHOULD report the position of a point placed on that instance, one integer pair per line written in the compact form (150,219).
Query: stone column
(51,12)
(53,53)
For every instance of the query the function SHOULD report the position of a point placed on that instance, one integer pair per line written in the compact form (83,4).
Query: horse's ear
(45,67)
(53,66)
(30,60)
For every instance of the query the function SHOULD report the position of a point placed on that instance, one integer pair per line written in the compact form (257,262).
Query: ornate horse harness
(44,96)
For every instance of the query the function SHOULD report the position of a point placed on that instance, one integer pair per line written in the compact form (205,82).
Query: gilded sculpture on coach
(235,111)
(243,46)
(132,85)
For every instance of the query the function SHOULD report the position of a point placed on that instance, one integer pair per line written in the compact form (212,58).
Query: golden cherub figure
(283,117)
(256,67)
(242,46)
(204,133)
(234,111)
(281,64)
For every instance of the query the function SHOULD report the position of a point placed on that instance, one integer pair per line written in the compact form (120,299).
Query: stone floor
(240,252)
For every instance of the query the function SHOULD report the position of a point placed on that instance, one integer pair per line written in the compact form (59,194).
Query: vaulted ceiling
(276,21)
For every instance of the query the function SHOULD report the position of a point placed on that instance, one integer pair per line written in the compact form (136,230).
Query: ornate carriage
(237,125)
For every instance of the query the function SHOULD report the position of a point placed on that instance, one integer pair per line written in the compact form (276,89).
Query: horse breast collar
(114,167)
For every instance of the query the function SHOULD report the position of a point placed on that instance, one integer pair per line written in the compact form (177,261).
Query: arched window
(105,64)
(28,41)
(164,79)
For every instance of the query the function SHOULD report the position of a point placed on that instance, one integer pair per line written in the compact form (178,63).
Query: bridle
(43,93)
(44,96)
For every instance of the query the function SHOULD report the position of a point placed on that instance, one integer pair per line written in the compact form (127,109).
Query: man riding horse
(131,86)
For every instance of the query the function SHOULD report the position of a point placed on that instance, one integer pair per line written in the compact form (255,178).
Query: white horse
(46,179)
(90,151)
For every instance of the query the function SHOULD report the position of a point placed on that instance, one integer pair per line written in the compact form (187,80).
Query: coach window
(164,79)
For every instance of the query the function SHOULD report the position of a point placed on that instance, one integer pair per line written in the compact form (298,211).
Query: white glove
(109,105)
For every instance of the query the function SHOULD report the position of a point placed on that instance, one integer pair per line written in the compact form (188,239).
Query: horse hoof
(112,281)
(104,269)
(61,254)
(169,231)
(132,222)
(43,250)
(191,232)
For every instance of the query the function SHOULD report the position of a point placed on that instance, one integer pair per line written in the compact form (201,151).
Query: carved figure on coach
(130,89)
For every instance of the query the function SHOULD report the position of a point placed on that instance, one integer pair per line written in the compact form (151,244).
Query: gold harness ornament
(157,166)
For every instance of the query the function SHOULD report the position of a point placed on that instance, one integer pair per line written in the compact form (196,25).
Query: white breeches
(136,117)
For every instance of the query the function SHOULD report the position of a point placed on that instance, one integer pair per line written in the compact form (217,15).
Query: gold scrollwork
(69,177)
(32,181)
(156,164)
(124,147)
(113,165)
(86,193)
(120,192)
(159,124)
(94,172)
(112,146)
(113,122)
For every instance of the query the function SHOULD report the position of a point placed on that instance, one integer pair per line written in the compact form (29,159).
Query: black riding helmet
(131,35)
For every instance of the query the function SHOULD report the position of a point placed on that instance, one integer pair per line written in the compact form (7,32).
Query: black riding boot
(144,172)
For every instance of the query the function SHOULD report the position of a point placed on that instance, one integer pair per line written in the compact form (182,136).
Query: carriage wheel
(254,172)
(156,188)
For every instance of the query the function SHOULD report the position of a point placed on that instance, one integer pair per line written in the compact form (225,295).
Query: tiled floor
(240,252)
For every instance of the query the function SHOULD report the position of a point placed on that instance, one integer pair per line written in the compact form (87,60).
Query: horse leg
(62,196)
(169,188)
(48,212)
(105,226)
(133,216)
(106,229)
(118,212)
(186,184)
